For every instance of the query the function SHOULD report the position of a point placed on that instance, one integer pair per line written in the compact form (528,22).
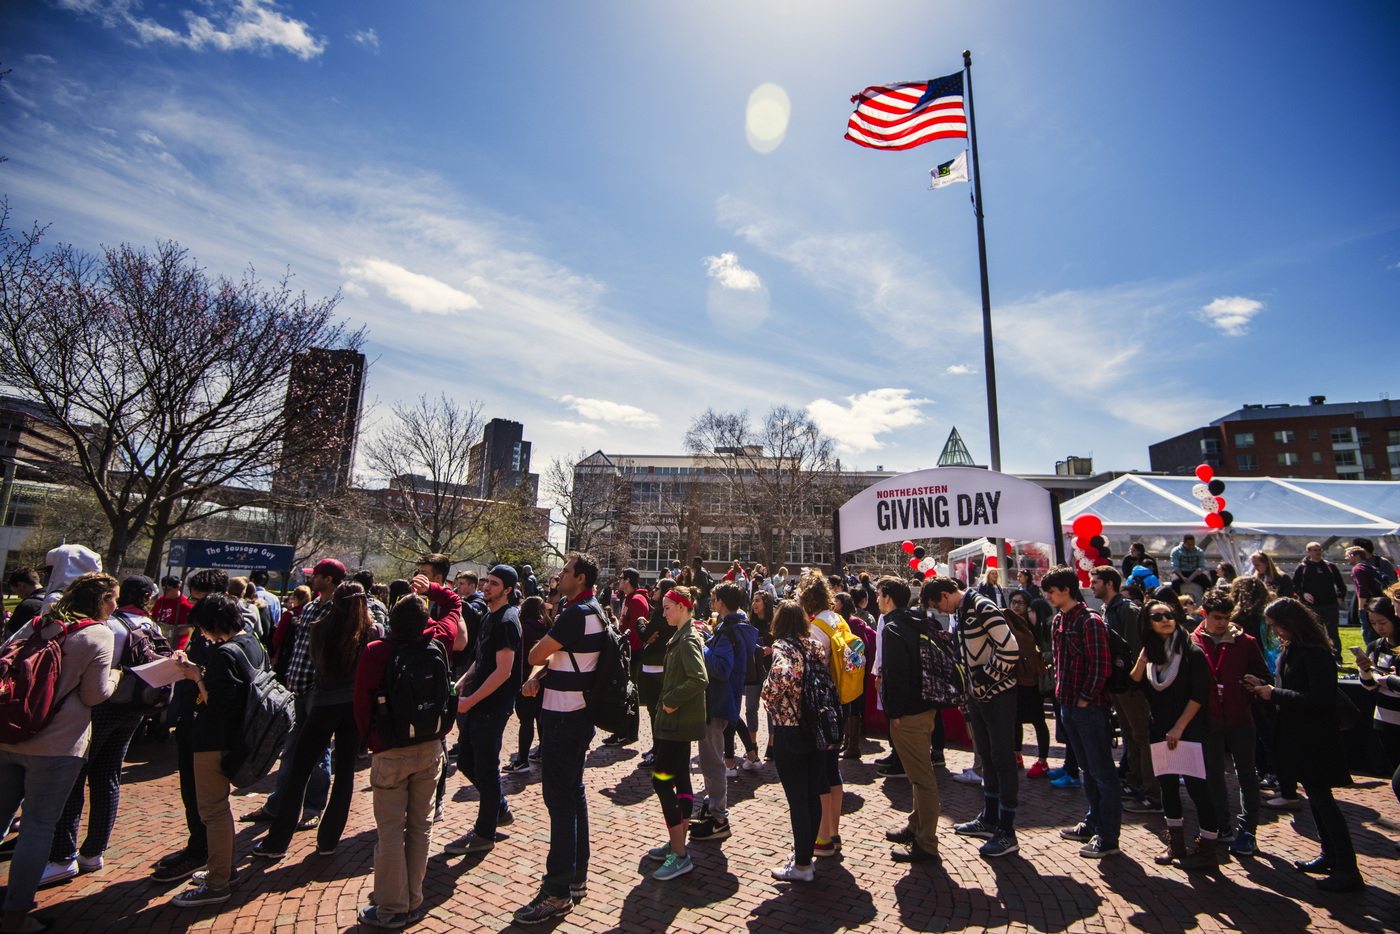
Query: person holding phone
(1308,739)
(1175,675)
(1378,664)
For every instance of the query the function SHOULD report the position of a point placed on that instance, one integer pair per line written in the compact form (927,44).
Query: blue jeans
(318,788)
(1088,732)
(564,741)
(43,784)
(479,759)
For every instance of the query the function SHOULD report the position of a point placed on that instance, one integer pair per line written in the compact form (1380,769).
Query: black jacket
(901,677)
(1322,580)
(1307,737)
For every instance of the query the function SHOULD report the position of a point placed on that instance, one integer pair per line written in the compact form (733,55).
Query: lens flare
(766,119)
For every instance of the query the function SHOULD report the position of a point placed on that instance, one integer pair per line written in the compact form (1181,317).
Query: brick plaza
(1046,887)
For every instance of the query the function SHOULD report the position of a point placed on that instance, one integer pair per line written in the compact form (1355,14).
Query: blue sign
(229,556)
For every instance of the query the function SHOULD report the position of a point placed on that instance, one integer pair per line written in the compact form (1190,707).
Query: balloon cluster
(925,565)
(1207,493)
(1090,547)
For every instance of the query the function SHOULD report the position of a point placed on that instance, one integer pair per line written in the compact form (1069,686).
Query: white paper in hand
(159,673)
(1185,759)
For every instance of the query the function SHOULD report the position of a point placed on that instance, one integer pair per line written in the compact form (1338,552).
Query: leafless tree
(583,492)
(782,474)
(170,384)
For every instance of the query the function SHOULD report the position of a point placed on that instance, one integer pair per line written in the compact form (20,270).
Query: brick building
(1320,440)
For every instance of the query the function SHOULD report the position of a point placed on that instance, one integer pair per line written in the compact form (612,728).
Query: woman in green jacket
(680,720)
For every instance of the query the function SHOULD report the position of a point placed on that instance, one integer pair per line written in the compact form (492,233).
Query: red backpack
(29,672)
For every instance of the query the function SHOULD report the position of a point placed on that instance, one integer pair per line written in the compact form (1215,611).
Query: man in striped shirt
(565,659)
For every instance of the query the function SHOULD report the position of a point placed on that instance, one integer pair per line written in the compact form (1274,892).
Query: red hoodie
(1236,655)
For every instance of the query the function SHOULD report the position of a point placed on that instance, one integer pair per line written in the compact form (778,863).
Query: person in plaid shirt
(1082,664)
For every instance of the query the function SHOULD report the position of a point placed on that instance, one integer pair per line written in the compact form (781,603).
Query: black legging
(742,728)
(670,776)
(527,709)
(1332,830)
(1042,738)
(1199,790)
(322,723)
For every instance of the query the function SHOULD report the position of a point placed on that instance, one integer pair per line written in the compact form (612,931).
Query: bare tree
(424,452)
(782,474)
(169,384)
(584,493)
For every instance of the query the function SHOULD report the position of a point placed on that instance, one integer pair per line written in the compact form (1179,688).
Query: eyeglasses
(1158,617)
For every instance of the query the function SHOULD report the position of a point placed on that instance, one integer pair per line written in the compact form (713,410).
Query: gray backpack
(268,718)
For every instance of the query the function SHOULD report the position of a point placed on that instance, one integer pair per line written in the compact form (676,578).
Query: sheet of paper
(159,673)
(1185,759)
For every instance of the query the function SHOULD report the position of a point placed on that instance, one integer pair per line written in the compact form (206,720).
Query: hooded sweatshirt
(901,674)
(728,668)
(67,563)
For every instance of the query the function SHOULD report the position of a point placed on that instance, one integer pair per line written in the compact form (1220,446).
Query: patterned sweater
(988,646)
(782,691)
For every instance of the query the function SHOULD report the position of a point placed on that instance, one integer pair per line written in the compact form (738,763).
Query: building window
(1345,458)
(1249,462)
(1317,457)
(1244,439)
(1210,445)
(1283,437)
(1392,436)
(515,458)
(1288,459)
(1368,460)
(1312,435)
(1343,435)
(1394,460)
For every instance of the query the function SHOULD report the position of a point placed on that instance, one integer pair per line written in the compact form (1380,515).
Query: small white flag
(949,172)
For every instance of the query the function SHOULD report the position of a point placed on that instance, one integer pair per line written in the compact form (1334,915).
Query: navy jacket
(726,670)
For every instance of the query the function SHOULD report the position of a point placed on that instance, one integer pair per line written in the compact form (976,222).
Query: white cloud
(1231,314)
(577,429)
(855,425)
(233,25)
(616,413)
(417,291)
(146,136)
(725,269)
(367,38)
(959,369)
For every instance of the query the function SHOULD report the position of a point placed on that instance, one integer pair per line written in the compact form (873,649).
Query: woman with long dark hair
(1030,698)
(1380,673)
(337,642)
(801,766)
(533,626)
(1308,739)
(1176,677)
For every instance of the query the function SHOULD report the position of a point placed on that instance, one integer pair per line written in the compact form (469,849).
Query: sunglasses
(1157,617)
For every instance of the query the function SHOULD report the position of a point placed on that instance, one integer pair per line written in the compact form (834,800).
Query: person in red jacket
(1231,654)
(404,779)
(170,611)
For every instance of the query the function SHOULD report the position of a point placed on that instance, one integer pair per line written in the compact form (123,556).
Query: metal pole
(989,360)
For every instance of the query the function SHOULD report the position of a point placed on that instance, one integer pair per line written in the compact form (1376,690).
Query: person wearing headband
(678,722)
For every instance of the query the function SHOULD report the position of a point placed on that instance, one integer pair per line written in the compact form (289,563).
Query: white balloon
(1086,564)
(1200,490)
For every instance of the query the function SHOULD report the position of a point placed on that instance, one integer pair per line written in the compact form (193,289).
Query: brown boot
(1204,858)
(1176,847)
(850,746)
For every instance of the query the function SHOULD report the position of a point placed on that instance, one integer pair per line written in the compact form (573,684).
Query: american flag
(908,114)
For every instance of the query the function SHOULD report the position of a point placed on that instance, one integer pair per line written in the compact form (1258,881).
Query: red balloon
(908,547)
(1101,562)
(1220,500)
(1087,526)
(931,572)
(914,563)
(1091,553)
(1214,521)
(1083,577)
(1008,548)
(991,561)
(1204,473)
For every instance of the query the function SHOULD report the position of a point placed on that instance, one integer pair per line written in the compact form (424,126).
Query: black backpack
(268,717)
(132,694)
(1120,664)
(1383,571)
(818,716)
(612,700)
(417,699)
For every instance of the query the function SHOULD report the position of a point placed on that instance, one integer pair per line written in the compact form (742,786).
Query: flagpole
(989,359)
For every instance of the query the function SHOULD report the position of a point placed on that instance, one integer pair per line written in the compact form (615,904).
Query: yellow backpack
(847,660)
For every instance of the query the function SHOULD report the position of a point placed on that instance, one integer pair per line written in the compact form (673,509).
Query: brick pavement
(1046,887)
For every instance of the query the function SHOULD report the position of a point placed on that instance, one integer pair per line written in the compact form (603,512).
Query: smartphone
(1358,651)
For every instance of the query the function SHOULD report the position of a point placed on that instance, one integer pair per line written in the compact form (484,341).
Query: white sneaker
(750,765)
(437,814)
(731,773)
(968,777)
(791,872)
(57,872)
(89,865)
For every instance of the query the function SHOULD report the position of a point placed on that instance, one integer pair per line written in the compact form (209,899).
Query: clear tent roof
(1142,504)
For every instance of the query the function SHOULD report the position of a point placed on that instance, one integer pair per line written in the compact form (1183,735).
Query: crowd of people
(1243,667)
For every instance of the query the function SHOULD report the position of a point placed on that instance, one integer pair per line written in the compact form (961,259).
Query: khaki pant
(211,790)
(1133,713)
(404,783)
(911,739)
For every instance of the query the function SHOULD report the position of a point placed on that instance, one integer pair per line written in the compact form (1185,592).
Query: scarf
(1162,676)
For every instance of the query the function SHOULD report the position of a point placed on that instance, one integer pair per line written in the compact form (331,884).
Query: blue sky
(555,207)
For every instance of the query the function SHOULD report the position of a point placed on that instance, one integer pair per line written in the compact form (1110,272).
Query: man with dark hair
(988,647)
(1319,584)
(727,653)
(23,583)
(911,717)
(473,603)
(704,583)
(1079,642)
(635,610)
(171,610)
(1121,615)
(301,680)
(435,566)
(565,659)
(1189,565)
(260,579)
(1369,576)
(529,586)
(487,700)
(378,612)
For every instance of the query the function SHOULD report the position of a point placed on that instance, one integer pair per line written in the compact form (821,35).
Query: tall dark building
(325,399)
(500,461)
